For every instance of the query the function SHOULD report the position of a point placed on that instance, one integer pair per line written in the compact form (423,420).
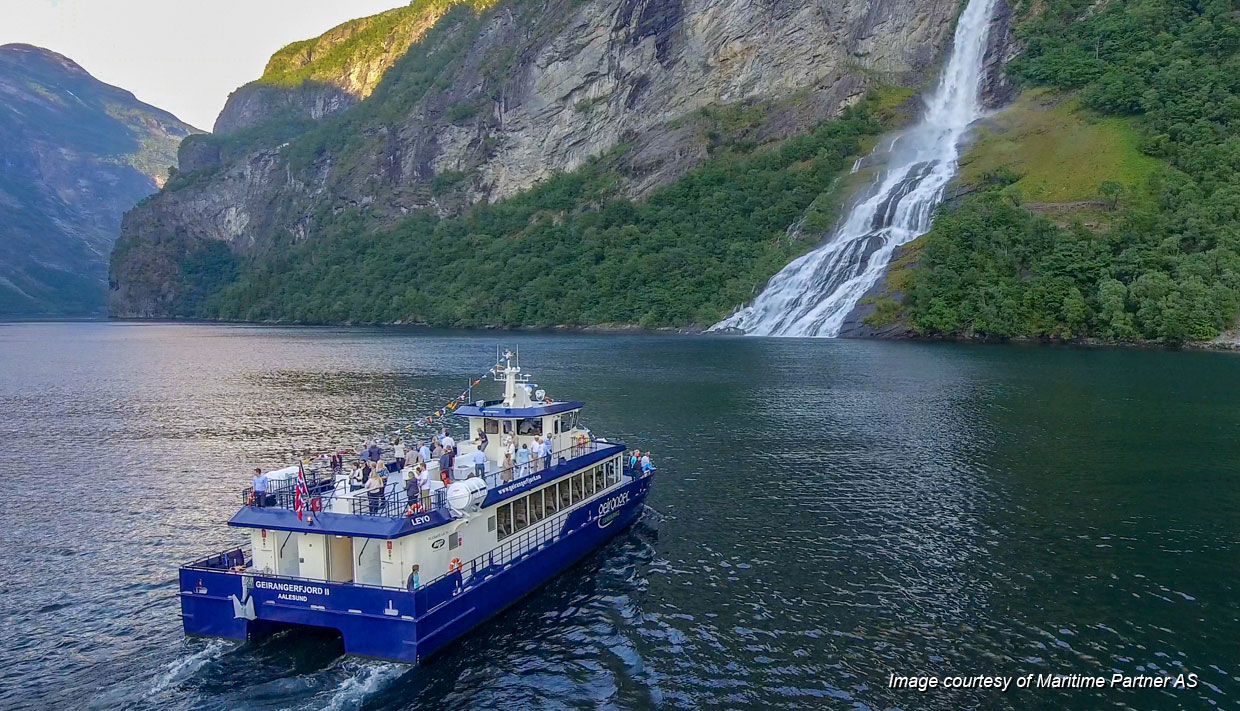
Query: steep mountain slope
(493,101)
(75,153)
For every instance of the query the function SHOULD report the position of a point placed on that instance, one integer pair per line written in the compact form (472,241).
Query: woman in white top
(374,491)
(401,451)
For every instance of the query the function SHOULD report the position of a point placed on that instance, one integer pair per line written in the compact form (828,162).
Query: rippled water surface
(827,513)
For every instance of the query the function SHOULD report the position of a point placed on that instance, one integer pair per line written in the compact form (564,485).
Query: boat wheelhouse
(342,559)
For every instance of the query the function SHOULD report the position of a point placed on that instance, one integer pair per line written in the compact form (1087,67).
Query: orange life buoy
(455,565)
(249,500)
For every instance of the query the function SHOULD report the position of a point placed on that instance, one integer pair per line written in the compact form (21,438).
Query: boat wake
(185,667)
(370,679)
(814,294)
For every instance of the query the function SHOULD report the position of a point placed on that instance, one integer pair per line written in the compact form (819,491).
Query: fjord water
(814,294)
(827,513)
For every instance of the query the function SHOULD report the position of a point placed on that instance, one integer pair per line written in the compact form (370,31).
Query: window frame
(536,504)
(499,521)
(520,506)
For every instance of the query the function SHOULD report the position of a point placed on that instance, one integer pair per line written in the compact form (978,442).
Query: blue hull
(395,624)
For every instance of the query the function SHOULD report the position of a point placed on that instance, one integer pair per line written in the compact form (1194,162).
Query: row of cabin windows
(528,427)
(536,506)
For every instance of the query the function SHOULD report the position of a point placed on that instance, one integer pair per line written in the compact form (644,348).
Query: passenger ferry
(340,559)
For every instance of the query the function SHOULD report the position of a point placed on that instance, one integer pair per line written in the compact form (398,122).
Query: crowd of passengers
(369,472)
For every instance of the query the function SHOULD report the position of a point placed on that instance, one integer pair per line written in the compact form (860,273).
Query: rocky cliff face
(75,153)
(488,104)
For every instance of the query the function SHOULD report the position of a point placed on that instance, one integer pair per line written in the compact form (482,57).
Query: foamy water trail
(183,668)
(814,294)
(351,693)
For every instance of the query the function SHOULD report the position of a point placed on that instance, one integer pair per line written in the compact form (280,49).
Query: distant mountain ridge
(75,154)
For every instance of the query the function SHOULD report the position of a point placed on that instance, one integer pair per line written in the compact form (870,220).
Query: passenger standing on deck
(437,452)
(510,449)
(537,452)
(424,453)
(374,491)
(546,453)
(480,463)
(414,581)
(423,476)
(523,461)
(400,451)
(449,446)
(260,488)
(412,493)
(337,463)
(635,460)
(482,439)
(647,465)
(445,461)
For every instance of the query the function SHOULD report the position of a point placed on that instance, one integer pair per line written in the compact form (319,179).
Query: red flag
(303,493)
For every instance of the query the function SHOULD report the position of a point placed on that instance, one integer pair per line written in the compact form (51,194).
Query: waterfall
(815,293)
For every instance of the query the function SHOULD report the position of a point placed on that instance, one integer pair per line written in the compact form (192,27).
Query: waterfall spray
(815,293)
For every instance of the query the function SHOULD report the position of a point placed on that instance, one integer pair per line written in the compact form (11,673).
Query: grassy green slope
(378,40)
(1060,150)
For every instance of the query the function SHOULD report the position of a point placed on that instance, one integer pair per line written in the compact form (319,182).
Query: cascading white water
(813,295)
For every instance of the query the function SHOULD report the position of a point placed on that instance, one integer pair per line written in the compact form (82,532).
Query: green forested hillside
(567,251)
(1161,258)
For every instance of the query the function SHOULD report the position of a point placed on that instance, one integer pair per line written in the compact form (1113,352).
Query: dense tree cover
(1167,268)
(566,252)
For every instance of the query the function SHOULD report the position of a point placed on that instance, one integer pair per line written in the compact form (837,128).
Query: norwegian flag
(303,493)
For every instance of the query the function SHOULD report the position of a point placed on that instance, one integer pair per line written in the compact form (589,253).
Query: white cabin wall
(262,548)
(366,567)
(394,571)
(312,555)
(287,559)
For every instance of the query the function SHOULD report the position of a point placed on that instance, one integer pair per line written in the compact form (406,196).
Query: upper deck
(338,507)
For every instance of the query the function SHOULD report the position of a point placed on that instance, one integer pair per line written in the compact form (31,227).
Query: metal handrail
(394,504)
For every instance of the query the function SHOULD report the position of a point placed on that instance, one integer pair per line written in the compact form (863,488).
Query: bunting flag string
(430,419)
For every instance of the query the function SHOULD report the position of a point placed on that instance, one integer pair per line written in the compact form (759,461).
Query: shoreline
(1228,341)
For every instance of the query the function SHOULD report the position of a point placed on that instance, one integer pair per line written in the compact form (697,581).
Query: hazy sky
(184,57)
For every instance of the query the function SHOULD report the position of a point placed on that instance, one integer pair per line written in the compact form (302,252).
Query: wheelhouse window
(503,521)
(490,426)
(507,426)
(529,427)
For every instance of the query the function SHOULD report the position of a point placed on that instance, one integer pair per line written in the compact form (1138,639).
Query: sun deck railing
(395,503)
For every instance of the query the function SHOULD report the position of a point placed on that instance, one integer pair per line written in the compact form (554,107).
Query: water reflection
(828,513)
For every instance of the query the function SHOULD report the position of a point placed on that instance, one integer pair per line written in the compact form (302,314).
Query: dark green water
(828,513)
